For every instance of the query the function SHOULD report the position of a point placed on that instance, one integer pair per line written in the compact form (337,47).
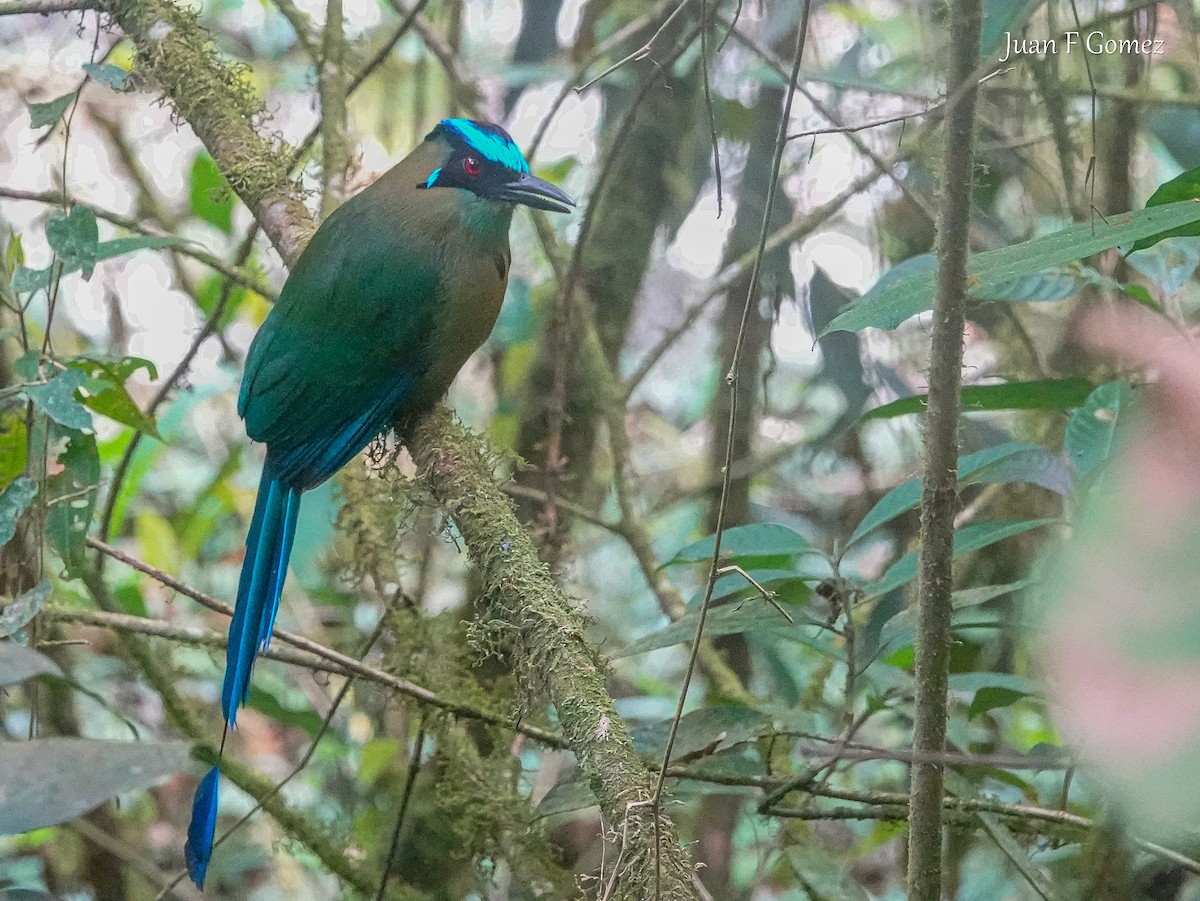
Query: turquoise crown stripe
(491,143)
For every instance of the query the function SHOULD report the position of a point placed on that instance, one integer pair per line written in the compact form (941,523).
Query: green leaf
(18,663)
(901,629)
(988,272)
(14,448)
(756,540)
(29,280)
(43,114)
(1045,394)
(14,254)
(725,724)
(210,196)
(991,698)
(1010,462)
(267,703)
(999,18)
(106,391)
(71,497)
(782,581)
(972,537)
(377,755)
(1170,264)
(823,875)
(57,399)
(753,615)
(1185,186)
(51,780)
(1092,430)
(19,611)
(107,74)
(75,237)
(15,500)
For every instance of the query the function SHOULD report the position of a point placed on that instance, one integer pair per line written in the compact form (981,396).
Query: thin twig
(346,665)
(731,382)
(414,769)
(197,253)
(44,7)
(641,53)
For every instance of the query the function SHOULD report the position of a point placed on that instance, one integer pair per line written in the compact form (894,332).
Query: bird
(393,293)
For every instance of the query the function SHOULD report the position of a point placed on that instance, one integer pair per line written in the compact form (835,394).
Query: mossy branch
(543,631)
(176,56)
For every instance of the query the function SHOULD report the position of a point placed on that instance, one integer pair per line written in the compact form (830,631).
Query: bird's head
(484,160)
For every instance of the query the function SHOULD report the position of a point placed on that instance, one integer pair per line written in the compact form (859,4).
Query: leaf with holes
(21,609)
(71,497)
(106,391)
(57,398)
(15,500)
(75,237)
(29,280)
(1092,430)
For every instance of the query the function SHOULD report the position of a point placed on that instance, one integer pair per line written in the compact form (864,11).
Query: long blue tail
(268,547)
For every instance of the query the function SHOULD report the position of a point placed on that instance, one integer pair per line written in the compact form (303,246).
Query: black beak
(535,192)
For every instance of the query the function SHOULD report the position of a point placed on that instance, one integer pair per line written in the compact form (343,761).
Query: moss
(213,95)
(530,618)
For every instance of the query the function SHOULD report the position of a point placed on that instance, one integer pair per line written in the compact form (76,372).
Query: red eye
(471,165)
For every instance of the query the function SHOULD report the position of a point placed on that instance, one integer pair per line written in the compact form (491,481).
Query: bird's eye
(471,165)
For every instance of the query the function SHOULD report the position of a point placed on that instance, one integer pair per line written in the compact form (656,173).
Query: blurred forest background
(156,160)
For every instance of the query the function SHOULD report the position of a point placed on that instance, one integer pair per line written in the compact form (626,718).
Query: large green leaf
(1092,430)
(1010,462)
(901,629)
(725,725)
(52,780)
(754,615)
(756,540)
(823,875)
(972,537)
(1185,187)
(888,307)
(71,496)
(1045,394)
(18,663)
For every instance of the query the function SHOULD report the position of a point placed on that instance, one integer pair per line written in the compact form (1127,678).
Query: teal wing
(346,344)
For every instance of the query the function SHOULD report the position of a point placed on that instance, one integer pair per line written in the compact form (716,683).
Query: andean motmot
(397,288)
